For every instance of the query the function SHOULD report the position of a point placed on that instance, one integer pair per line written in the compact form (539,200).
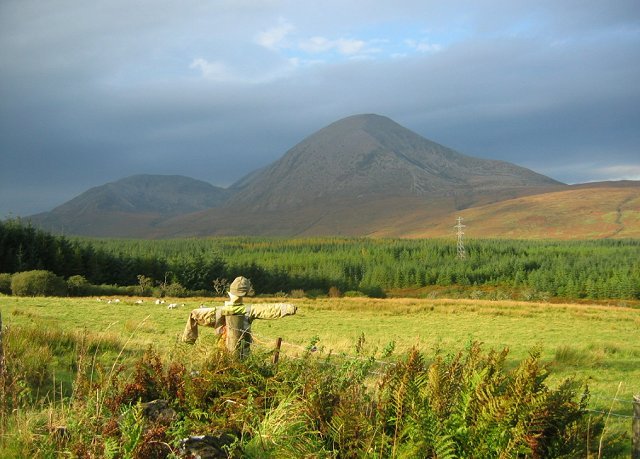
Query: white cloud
(316,45)
(215,70)
(619,172)
(275,37)
(590,171)
(423,46)
(343,46)
(350,47)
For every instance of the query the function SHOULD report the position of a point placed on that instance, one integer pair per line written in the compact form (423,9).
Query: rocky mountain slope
(371,156)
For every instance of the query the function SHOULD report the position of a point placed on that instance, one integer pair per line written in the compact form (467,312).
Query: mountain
(364,175)
(371,156)
(359,176)
(132,206)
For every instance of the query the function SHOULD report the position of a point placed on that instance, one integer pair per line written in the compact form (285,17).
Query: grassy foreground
(598,344)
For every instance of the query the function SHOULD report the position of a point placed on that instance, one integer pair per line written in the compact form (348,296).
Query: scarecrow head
(240,287)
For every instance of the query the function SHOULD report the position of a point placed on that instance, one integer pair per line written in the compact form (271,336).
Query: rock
(159,411)
(206,446)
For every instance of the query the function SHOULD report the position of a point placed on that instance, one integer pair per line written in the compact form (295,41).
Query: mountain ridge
(364,175)
(131,206)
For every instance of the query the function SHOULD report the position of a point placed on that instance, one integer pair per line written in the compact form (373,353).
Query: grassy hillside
(577,213)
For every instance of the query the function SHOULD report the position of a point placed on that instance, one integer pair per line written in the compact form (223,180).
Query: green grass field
(600,343)
(595,343)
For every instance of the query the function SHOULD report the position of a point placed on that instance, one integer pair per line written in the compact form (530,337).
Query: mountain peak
(362,120)
(370,155)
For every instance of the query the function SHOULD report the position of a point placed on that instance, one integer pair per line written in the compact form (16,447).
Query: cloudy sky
(94,91)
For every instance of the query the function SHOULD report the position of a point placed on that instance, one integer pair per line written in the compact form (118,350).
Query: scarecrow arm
(206,317)
(270,311)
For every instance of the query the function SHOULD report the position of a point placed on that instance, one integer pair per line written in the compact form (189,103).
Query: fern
(131,424)
(111,448)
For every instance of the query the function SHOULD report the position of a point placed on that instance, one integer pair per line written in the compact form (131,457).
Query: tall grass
(318,405)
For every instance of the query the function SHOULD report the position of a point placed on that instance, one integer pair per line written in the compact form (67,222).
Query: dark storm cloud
(96,91)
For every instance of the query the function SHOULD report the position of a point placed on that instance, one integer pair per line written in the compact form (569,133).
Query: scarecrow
(219,317)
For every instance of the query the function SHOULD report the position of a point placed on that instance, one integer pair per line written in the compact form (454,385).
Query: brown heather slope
(600,211)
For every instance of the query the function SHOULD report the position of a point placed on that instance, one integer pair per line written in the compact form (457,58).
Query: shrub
(38,283)
(373,291)
(108,290)
(315,293)
(175,290)
(297,293)
(78,286)
(334,292)
(5,283)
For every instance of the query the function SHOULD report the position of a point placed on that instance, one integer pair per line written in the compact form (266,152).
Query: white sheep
(139,302)
(172,306)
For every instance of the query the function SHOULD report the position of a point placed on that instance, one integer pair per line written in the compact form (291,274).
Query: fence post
(635,428)
(238,339)
(276,354)
(3,364)
(3,379)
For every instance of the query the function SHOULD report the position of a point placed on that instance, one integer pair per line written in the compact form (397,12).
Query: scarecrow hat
(241,286)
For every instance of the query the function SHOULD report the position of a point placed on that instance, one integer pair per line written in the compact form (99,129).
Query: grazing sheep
(158,301)
(172,306)
(139,302)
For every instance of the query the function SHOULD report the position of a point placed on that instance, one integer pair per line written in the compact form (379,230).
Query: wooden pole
(635,428)
(238,339)
(3,379)
(3,364)
(276,355)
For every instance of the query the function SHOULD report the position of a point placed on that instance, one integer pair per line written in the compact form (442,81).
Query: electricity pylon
(462,254)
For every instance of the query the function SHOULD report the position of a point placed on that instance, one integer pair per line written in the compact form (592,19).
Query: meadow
(596,344)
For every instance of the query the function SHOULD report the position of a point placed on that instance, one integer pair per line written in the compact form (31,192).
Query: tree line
(596,269)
